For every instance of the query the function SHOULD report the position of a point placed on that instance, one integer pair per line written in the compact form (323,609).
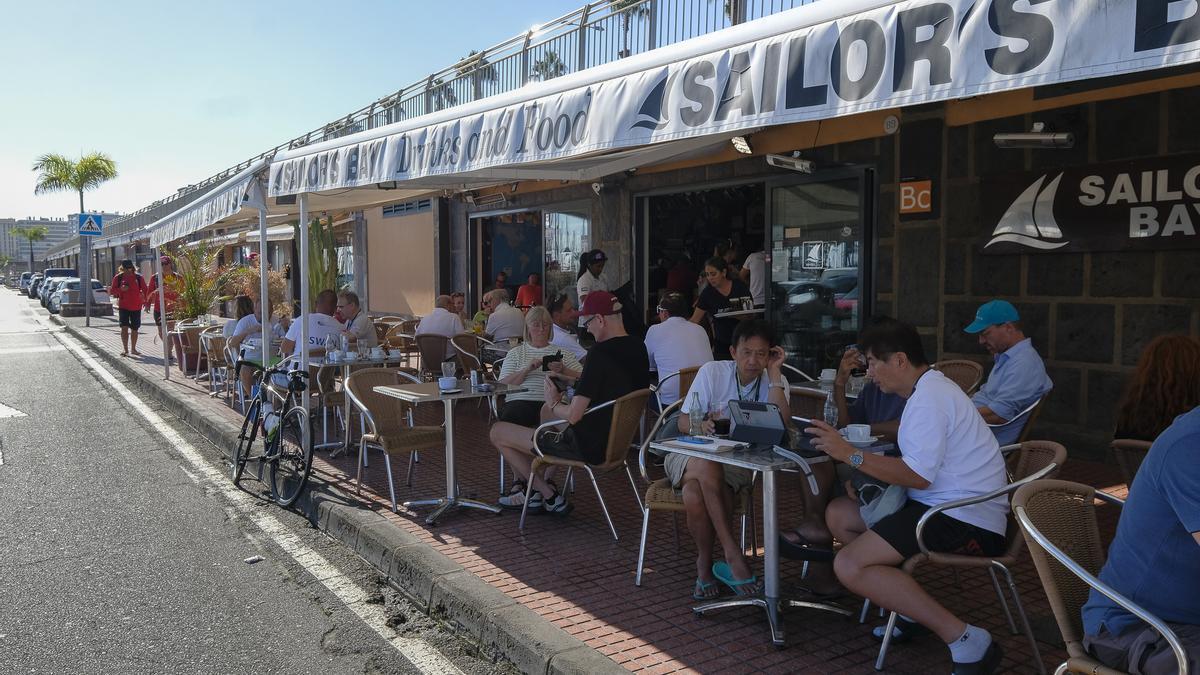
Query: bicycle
(287,435)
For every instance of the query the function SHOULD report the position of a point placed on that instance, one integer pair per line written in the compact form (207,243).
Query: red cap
(600,302)
(165,260)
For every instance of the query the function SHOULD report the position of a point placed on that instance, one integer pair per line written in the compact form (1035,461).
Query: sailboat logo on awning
(1029,220)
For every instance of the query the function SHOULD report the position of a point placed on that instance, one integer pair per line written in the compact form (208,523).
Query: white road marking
(421,655)
(6,411)
(32,350)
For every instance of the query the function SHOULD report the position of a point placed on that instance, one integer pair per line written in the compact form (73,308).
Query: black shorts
(943,533)
(522,413)
(130,318)
(157,318)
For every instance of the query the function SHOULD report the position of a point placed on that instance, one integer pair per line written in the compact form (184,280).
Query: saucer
(449,391)
(863,444)
(350,357)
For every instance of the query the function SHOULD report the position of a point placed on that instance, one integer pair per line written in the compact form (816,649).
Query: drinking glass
(719,414)
(448,368)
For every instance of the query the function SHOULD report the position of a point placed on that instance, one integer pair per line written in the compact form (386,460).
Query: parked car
(49,287)
(24,283)
(68,292)
(53,272)
(34,282)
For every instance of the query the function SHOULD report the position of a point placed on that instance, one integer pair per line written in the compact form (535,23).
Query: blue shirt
(1154,559)
(874,406)
(1017,380)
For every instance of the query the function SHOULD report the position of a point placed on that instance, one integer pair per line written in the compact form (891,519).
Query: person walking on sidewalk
(130,290)
(170,291)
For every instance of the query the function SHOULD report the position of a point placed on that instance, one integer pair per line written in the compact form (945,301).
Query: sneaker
(515,498)
(557,505)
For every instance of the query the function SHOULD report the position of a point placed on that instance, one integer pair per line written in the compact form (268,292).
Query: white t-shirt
(441,322)
(320,327)
(568,341)
(505,321)
(757,264)
(716,382)
(944,440)
(673,345)
(250,329)
(588,283)
(519,357)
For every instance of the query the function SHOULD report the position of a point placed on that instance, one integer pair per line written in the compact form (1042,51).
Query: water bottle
(830,411)
(696,416)
(270,419)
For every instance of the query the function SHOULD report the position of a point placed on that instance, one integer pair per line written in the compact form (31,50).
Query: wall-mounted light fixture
(1036,137)
(742,145)
(792,163)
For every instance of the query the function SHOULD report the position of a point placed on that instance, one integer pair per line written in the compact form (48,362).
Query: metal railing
(598,33)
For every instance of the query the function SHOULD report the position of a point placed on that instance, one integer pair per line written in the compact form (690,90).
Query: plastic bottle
(270,419)
(830,411)
(696,416)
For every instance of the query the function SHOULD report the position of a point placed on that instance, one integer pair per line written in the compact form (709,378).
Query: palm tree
(33,233)
(628,9)
(549,67)
(479,68)
(443,96)
(57,173)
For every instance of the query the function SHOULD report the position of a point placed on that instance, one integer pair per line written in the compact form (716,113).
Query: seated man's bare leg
(844,519)
(515,442)
(869,566)
(700,527)
(718,501)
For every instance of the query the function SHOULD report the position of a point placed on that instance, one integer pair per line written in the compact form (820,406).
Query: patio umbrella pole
(302,198)
(162,313)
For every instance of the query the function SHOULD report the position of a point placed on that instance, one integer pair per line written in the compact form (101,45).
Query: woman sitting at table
(246,337)
(523,367)
(1165,385)
(709,487)
(722,294)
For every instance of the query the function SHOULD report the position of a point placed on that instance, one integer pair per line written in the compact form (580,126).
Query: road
(122,550)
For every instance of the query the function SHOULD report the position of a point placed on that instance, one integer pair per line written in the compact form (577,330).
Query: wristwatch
(856,458)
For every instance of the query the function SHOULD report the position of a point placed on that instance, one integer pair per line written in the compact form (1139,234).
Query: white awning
(220,203)
(817,61)
(276,233)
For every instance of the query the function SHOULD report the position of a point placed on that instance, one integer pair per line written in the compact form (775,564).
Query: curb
(502,628)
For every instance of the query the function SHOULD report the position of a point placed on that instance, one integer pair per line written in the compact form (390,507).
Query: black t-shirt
(712,301)
(612,369)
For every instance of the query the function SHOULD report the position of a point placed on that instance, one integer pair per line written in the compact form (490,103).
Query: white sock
(971,645)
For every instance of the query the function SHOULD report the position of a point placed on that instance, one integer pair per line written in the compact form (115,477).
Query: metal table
(427,392)
(320,364)
(738,313)
(768,463)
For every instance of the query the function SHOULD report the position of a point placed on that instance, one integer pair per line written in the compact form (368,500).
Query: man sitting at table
(504,321)
(562,312)
(674,343)
(948,453)
(1018,380)
(442,321)
(358,327)
(709,487)
(616,366)
(321,326)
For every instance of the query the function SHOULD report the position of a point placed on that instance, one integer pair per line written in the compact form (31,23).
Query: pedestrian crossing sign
(91,225)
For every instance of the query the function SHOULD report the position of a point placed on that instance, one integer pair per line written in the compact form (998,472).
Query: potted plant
(200,280)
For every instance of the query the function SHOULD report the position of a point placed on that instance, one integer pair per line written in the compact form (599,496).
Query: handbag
(877,499)
(560,443)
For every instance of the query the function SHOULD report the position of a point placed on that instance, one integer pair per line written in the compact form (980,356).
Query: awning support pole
(264,298)
(302,200)
(162,313)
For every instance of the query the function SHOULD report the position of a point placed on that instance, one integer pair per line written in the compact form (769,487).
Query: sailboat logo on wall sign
(1029,220)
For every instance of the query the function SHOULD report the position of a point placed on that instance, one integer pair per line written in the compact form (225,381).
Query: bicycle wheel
(291,456)
(246,440)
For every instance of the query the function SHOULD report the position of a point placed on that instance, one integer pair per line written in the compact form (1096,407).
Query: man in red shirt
(170,290)
(530,294)
(130,290)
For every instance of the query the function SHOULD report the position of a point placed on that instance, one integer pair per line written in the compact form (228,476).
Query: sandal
(804,550)
(705,590)
(740,587)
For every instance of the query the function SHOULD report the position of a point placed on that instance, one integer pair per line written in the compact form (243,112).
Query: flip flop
(705,590)
(740,587)
(805,550)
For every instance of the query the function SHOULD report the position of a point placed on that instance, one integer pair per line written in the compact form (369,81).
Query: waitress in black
(722,294)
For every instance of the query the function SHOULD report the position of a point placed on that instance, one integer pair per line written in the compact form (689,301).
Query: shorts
(736,477)
(522,413)
(1141,650)
(943,533)
(130,318)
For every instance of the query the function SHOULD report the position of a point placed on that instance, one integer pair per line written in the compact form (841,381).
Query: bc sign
(91,224)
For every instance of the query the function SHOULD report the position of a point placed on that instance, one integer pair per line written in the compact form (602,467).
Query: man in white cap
(1018,379)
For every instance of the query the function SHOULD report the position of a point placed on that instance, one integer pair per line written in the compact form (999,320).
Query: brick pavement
(574,574)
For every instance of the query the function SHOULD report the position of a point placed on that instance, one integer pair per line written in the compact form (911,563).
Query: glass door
(819,242)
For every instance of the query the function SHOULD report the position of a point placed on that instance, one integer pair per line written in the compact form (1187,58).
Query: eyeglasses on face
(588,321)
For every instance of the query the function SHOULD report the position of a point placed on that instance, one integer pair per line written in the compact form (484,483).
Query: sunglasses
(594,317)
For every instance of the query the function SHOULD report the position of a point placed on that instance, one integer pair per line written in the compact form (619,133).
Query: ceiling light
(741,145)
(1036,137)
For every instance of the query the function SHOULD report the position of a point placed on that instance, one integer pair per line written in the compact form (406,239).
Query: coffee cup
(333,355)
(377,352)
(445,383)
(859,433)
(828,375)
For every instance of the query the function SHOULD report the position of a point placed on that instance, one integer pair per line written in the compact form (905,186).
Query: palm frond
(55,173)
(93,169)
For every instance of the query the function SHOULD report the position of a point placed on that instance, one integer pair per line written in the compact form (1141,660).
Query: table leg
(771,557)
(451,500)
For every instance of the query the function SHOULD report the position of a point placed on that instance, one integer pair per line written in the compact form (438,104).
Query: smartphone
(692,440)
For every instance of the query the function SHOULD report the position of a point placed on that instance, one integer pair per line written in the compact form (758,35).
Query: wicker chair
(1032,412)
(218,365)
(964,373)
(389,425)
(807,402)
(432,348)
(469,352)
(400,337)
(662,496)
(803,376)
(1034,460)
(685,376)
(627,412)
(1057,516)
(1129,454)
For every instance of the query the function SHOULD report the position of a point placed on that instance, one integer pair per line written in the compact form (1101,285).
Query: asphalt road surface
(120,553)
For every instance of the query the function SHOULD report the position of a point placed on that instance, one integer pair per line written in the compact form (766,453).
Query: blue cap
(992,313)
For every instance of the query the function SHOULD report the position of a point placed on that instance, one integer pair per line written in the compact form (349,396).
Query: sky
(175,92)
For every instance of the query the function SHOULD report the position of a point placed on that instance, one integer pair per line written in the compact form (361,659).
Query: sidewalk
(573,575)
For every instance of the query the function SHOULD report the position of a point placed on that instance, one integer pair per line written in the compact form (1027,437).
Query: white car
(68,293)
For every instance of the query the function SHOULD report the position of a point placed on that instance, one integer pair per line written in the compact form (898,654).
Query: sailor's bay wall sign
(1140,205)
